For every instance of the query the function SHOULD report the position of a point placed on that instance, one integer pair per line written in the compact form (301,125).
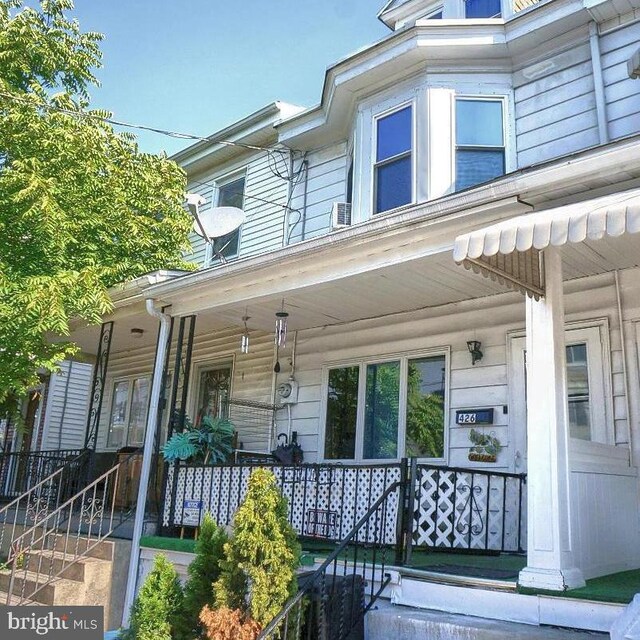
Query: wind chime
(281,334)
(244,340)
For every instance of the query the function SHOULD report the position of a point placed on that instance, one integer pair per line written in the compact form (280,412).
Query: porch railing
(332,602)
(59,537)
(20,471)
(444,507)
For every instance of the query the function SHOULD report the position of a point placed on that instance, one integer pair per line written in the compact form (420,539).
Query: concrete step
(14,600)
(52,563)
(407,623)
(102,550)
(34,586)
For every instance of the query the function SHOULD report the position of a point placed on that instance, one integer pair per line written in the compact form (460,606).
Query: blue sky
(199,65)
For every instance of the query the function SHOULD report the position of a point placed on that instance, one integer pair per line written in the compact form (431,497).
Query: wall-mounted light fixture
(244,341)
(136,332)
(474,350)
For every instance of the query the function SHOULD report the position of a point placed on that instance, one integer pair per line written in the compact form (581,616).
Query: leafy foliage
(228,624)
(81,208)
(209,442)
(485,445)
(157,605)
(258,572)
(203,571)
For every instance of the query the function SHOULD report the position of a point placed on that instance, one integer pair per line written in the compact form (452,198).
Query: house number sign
(474,416)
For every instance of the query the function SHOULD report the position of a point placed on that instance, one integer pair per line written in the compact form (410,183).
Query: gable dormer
(398,14)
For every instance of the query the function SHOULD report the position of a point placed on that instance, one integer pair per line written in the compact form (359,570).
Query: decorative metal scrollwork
(475,522)
(38,508)
(97,385)
(92,510)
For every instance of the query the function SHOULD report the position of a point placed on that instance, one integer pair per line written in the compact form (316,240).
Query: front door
(214,387)
(587,395)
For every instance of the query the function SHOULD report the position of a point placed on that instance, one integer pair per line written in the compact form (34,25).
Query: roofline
(233,130)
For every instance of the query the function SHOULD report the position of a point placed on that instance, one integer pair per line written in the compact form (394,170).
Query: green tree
(203,572)
(81,208)
(258,572)
(156,607)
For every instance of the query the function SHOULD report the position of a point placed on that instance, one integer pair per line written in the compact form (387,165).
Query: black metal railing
(471,509)
(21,471)
(332,602)
(324,500)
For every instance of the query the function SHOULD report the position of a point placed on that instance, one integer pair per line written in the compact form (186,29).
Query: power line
(142,127)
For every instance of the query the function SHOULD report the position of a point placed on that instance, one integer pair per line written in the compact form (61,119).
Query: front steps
(388,621)
(96,579)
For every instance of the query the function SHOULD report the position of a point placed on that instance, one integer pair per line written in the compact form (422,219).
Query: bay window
(393,167)
(480,148)
(482,8)
(385,410)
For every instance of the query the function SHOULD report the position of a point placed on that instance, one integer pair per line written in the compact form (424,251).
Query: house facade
(467,115)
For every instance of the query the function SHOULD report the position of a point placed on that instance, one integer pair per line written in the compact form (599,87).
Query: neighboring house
(467,115)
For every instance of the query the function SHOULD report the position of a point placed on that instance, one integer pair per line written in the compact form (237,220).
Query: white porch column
(550,562)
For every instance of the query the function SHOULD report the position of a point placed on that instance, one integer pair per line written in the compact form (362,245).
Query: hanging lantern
(244,341)
(281,327)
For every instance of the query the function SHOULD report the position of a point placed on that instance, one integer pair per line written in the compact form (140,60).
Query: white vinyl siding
(67,406)
(622,94)
(325,184)
(556,110)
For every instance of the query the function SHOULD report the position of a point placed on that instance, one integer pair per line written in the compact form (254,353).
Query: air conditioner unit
(340,215)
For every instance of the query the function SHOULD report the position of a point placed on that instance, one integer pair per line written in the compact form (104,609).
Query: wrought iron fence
(324,500)
(457,508)
(21,471)
(332,602)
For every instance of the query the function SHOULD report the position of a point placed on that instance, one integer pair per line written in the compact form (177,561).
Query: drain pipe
(147,456)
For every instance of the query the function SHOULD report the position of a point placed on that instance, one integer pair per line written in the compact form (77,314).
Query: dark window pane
(227,245)
(393,184)
(425,408)
(394,134)
(232,194)
(474,166)
(578,391)
(381,411)
(342,413)
(482,8)
(435,16)
(479,123)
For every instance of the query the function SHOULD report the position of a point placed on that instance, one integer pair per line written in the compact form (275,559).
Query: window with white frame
(393,160)
(128,416)
(230,194)
(479,140)
(482,8)
(384,410)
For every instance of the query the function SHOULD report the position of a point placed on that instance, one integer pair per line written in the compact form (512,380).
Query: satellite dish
(218,222)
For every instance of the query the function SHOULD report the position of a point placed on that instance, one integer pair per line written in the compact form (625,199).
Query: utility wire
(121,123)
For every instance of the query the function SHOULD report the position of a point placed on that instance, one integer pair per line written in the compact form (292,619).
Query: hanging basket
(481,457)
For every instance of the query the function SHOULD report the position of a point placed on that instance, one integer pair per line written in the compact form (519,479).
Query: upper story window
(393,166)
(480,147)
(230,194)
(482,8)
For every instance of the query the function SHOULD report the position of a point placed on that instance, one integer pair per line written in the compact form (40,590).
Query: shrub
(157,605)
(228,624)
(258,572)
(203,572)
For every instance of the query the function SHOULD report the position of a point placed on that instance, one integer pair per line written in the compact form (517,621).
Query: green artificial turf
(617,587)
(168,544)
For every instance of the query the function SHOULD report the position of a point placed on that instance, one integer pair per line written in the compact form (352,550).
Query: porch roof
(510,251)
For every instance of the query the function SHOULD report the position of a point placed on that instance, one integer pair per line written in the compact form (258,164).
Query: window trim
(130,379)
(454,126)
(218,183)
(376,117)
(200,366)
(362,363)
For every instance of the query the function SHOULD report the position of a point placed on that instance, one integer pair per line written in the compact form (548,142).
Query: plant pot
(482,457)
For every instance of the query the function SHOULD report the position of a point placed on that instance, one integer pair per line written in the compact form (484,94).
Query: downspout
(598,83)
(147,455)
(624,365)
(303,228)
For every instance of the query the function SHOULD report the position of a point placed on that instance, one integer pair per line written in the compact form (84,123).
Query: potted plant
(211,442)
(485,447)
